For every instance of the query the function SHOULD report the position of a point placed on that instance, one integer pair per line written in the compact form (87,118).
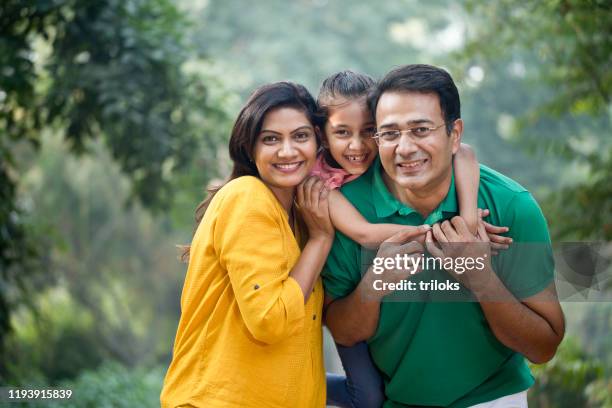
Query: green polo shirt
(434,353)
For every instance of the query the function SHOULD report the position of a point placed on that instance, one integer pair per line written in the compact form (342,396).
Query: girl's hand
(314,207)
(498,242)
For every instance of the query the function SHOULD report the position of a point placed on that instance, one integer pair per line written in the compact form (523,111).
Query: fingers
(438,234)
(494,229)
(460,226)
(485,212)
(499,239)
(450,231)
(431,246)
(300,194)
(482,233)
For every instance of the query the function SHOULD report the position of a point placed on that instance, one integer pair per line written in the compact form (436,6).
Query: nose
(356,143)
(406,145)
(287,149)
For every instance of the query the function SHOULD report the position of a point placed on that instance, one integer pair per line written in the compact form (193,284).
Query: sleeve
(250,243)
(341,273)
(527,267)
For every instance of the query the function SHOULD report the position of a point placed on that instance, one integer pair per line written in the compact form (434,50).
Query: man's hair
(421,78)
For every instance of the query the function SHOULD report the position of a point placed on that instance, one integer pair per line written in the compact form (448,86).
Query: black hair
(421,78)
(248,125)
(344,84)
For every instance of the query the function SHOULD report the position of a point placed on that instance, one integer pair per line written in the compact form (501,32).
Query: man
(434,353)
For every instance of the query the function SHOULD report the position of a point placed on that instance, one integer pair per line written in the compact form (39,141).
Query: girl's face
(286,148)
(348,133)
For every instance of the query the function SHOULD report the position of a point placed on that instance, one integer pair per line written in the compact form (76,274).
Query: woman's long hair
(246,130)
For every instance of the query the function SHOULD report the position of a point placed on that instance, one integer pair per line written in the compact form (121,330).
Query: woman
(250,329)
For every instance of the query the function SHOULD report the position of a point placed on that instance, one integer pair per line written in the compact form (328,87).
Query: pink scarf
(333,177)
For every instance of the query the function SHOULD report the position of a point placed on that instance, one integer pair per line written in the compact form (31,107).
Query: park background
(115,116)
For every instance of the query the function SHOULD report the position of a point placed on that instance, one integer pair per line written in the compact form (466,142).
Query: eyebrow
(293,131)
(410,122)
(341,125)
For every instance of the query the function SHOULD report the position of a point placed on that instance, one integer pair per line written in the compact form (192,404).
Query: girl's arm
(467,179)
(351,223)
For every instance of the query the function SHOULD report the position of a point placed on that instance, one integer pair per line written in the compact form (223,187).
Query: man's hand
(453,239)
(399,244)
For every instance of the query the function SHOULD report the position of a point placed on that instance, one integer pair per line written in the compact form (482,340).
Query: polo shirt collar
(386,204)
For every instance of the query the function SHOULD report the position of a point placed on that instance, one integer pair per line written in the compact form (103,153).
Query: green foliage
(561,51)
(112,386)
(571,379)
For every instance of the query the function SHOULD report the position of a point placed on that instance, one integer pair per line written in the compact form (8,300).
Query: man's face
(416,163)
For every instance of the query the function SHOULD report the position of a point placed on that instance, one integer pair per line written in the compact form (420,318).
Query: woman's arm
(248,238)
(312,200)
(467,179)
(351,223)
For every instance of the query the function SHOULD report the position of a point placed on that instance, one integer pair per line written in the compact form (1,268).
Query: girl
(250,330)
(348,151)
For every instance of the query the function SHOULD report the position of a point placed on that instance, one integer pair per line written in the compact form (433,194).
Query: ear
(456,134)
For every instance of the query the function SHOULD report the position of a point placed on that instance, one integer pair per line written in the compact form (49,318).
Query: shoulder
(246,194)
(515,205)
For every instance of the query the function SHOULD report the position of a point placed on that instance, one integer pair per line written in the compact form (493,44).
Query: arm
(248,238)
(312,200)
(351,223)
(467,179)
(354,318)
(533,326)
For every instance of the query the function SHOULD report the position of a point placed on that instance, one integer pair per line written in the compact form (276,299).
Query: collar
(386,204)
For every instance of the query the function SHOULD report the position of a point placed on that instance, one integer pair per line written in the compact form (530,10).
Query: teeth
(361,157)
(412,164)
(287,166)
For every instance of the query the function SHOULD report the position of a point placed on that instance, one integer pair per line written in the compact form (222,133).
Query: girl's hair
(336,90)
(247,127)
(343,85)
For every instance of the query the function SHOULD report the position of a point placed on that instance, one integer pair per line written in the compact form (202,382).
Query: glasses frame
(410,131)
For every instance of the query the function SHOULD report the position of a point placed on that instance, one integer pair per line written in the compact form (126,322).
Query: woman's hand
(314,207)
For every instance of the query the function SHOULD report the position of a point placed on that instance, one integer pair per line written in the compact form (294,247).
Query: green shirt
(444,353)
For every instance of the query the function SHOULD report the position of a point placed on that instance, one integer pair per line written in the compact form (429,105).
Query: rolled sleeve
(251,246)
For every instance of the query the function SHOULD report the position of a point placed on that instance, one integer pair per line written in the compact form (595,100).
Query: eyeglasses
(392,137)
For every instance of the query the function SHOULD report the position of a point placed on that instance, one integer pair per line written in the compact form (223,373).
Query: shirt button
(314,317)
(256,287)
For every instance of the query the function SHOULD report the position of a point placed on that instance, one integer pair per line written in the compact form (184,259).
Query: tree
(109,70)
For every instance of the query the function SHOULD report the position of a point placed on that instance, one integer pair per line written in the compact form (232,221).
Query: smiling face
(348,132)
(285,150)
(416,164)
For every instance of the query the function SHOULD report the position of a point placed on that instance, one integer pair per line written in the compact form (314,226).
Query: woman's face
(286,148)
(348,131)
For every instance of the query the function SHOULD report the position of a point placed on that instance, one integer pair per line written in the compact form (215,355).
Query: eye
(302,136)
(420,131)
(390,134)
(269,139)
(341,133)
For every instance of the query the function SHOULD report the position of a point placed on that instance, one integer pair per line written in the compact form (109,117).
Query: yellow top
(245,337)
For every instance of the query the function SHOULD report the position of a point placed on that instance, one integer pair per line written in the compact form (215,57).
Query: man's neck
(424,200)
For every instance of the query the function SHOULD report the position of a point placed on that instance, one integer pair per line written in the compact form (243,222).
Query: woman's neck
(285,196)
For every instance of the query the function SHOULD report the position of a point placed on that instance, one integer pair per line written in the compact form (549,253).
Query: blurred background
(115,115)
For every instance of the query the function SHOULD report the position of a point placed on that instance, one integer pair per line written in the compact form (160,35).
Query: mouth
(357,158)
(413,166)
(288,167)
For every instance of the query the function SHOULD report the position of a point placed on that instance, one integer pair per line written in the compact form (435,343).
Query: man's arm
(354,318)
(533,327)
